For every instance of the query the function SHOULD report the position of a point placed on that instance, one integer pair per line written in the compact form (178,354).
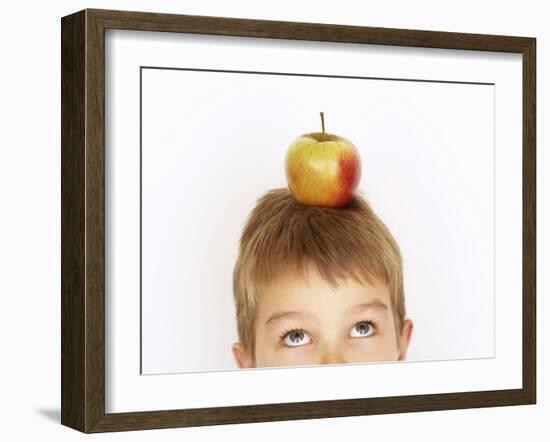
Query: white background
(427,153)
(30,238)
(213,143)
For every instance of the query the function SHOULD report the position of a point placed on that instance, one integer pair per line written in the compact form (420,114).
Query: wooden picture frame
(83,220)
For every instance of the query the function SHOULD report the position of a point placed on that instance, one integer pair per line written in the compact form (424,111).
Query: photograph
(295,219)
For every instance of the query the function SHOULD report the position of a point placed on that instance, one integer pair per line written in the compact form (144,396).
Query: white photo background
(213,142)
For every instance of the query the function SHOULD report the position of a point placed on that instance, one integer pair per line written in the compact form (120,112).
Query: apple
(322,169)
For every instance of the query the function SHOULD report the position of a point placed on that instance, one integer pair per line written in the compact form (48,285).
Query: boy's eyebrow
(374,304)
(285,314)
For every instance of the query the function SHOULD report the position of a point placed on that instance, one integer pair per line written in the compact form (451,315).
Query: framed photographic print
(267,220)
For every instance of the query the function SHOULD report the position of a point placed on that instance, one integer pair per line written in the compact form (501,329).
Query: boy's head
(317,285)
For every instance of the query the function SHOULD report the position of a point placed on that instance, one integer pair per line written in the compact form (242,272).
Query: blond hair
(284,237)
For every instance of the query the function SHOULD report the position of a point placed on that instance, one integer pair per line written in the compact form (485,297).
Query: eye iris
(363,328)
(296,337)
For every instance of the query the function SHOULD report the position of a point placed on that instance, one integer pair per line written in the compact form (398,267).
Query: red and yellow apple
(322,169)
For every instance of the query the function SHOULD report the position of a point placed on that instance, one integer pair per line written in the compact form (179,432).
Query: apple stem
(323,121)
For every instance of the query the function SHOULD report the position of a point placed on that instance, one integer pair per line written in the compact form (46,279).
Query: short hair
(283,237)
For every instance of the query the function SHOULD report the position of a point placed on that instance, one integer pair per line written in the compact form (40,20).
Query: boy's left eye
(362,329)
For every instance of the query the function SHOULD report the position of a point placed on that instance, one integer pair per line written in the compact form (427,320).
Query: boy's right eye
(295,338)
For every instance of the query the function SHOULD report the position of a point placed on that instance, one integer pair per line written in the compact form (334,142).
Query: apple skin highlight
(323,170)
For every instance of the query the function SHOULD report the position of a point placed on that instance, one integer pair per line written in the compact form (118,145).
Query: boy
(316,285)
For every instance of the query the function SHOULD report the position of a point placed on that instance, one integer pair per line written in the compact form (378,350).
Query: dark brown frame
(83,216)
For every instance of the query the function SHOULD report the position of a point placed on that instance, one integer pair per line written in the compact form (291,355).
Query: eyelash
(283,335)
